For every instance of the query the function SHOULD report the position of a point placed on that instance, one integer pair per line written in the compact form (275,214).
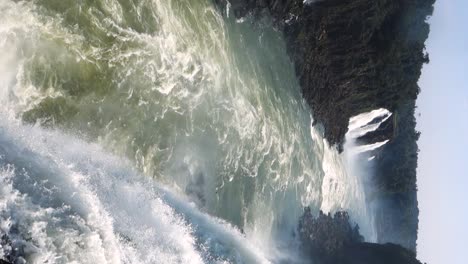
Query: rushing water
(130,128)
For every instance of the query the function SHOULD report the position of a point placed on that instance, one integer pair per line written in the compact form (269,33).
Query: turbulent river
(156,131)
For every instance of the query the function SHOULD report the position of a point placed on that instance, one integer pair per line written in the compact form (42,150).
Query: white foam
(80,205)
(359,124)
(370,147)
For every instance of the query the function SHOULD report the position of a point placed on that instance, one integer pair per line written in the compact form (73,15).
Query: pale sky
(443,105)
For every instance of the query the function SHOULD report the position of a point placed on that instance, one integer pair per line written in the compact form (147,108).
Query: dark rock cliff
(353,56)
(331,240)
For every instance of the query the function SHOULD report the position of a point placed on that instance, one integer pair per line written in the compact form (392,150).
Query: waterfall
(156,131)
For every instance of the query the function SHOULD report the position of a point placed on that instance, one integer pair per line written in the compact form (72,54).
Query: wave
(63,200)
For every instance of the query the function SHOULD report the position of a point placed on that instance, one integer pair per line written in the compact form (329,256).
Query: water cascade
(156,131)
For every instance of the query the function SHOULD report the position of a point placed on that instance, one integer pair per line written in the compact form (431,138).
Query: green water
(205,104)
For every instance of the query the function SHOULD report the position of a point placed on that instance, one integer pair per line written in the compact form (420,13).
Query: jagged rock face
(360,56)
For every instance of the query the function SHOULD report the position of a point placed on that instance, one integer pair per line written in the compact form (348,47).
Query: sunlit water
(129,129)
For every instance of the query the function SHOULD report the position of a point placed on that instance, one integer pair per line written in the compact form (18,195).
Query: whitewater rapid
(65,201)
(157,132)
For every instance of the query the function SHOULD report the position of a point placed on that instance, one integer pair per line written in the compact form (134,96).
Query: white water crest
(140,96)
(63,201)
(362,124)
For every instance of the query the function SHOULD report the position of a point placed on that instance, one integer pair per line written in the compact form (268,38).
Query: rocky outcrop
(353,56)
(331,240)
(325,236)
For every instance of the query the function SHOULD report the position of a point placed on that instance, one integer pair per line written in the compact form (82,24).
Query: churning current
(156,131)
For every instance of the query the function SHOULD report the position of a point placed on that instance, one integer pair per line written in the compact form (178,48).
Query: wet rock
(332,239)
